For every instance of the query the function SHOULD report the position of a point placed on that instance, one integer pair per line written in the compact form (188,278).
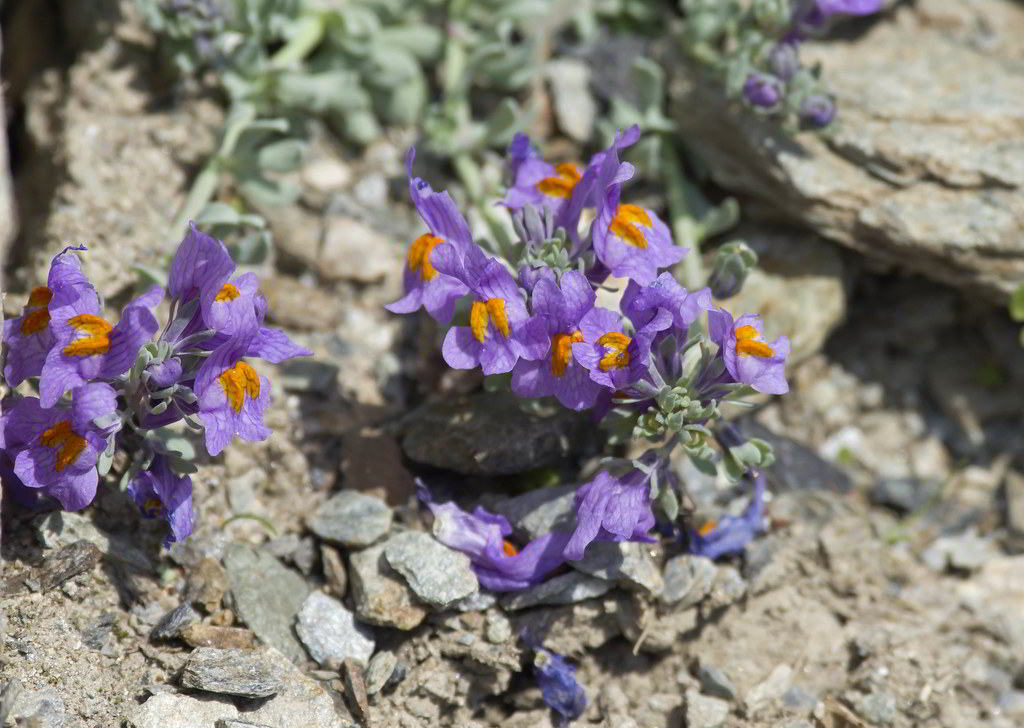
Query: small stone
(354,251)
(770,690)
(904,495)
(355,688)
(799,699)
(209,635)
(575,108)
(232,723)
(351,519)
(38,708)
(437,574)
(325,174)
(330,631)
(498,629)
(206,585)
(540,511)
(301,700)
(297,305)
(267,597)
(381,667)
(688,579)
(64,564)
(379,594)
(97,634)
(245,673)
(172,623)
(334,570)
(61,528)
(703,711)
(563,589)
(966,551)
(729,587)
(714,682)
(479,601)
(172,710)
(627,563)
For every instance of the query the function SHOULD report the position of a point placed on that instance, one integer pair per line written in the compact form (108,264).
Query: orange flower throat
(239,381)
(419,255)
(483,313)
(561,351)
(96,339)
(567,176)
(63,439)
(748,345)
(626,224)
(616,355)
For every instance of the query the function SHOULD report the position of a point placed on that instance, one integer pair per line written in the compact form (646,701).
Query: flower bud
(732,265)
(817,111)
(763,90)
(784,60)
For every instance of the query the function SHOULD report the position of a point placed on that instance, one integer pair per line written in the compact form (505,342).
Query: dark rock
(798,467)
(172,623)
(688,579)
(714,682)
(97,633)
(65,564)
(245,673)
(355,689)
(904,495)
(489,434)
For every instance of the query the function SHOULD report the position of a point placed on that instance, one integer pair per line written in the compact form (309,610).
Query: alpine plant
(658,369)
(135,383)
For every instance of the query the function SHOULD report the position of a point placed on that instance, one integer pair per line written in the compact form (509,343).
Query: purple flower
(763,89)
(30,337)
(631,241)
(818,111)
(88,347)
(500,331)
(200,263)
(611,509)
(539,183)
(558,373)
(811,16)
(614,359)
(557,681)
(643,303)
(483,536)
(731,534)
(848,7)
(232,396)
(57,448)
(784,60)
(748,358)
(423,283)
(160,493)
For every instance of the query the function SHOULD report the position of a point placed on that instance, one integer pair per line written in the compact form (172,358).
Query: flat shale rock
(379,594)
(301,701)
(351,519)
(488,434)
(246,673)
(563,589)
(627,563)
(931,181)
(437,574)
(267,596)
(330,631)
(168,710)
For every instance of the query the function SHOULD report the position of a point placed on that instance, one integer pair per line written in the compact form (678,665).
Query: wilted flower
(611,509)
(500,330)
(483,536)
(561,308)
(424,284)
(731,534)
(160,493)
(748,358)
(557,681)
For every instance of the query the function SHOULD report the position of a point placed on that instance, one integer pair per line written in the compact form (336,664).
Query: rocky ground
(886,590)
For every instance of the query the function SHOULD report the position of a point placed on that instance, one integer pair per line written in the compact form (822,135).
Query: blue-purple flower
(500,330)
(483,536)
(763,90)
(615,359)
(200,263)
(536,182)
(232,396)
(88,347)
(424,284)
(56,449)
(561,308)
(611,509)
(557,681)
(30,337)
(642,303)
(748,358)
(731,534)
(160,493)
(818,111)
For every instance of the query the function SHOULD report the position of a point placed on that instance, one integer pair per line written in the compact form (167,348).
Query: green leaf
(1017,304)
(281,156)
(647,81)
(423,41)
(261,191)
(669,502)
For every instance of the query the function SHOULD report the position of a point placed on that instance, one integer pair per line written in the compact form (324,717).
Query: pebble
(905,495)
(966,551)
(355,251)
(498,629)
(878,708)
(563,589)
(437,574)
(381,667)
(540,511)
(688,579)
(771,689)
(330,631)
(38,708)
(1015,502)
(61,528)
(703,711)
(207,584)
(301,701)
(715,683)
(172,623)
(172,710)
(379,595)
(64,564)
(355,688)
(334,570)
(352,519)
(325,174)
(627,563)
(208,635)
(267,597)
(729,587)
(246,673)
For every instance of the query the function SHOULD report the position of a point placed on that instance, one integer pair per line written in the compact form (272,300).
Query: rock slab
(379,594)
(437,574)
(246,673)
(330,631)
(169,710)
(351,519)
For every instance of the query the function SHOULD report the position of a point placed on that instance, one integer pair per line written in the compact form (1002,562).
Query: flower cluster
(107,385)
(657,368)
